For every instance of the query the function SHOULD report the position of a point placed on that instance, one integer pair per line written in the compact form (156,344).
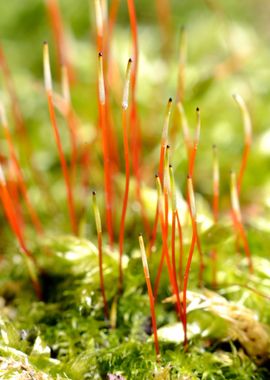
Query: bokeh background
(228,52)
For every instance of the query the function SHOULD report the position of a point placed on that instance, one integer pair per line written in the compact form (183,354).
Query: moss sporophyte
(157,275)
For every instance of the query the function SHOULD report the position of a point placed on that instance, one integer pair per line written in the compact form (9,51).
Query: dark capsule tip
(100,54)
(168,146)
(94,192)
(198,109)
(188,176)
(156,175)
(130,60)
(45,42)
(170,100)
(170,166)
(140,234)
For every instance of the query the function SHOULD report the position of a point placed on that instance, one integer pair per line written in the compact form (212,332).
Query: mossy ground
(65,336)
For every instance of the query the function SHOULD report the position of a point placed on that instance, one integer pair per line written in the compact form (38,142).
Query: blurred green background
(228,52)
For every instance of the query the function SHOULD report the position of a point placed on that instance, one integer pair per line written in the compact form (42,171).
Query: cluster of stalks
(168,214)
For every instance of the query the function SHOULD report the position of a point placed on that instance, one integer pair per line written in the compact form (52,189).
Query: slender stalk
(166,215)
(215,184)
(16,111)
(182,65)
(248,137)
(215,210)
(135,135)
(70,119)
(127,169)
(193,153)
(164,142)
(181,249)
(12,218)
(163,9)
(150,293)
(165,254)
(106,154)
(48,88)
(237,219)
(195,143)
(33,215)
(185,129)
(14,191)
(175,219)
(59,37)
(99,25)
(100,253)
(190,255)
(112,16)
(21,129)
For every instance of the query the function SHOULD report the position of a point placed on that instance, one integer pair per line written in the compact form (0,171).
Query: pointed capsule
(47,68)
(101,83)
(246,117)
(144,258)
(127,85)
(191,197)
(167,122)
(96,213)
(235,198)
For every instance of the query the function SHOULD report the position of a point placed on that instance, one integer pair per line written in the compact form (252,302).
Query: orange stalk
(175,219)
(166,217)
(106,154)
(163,9)
(33,215)
(11,215)
(193,154)
(103,46)
(190,255)
(248,137)
(150,293)
(48,88)
(215,184)
(195,144)
(135,136)
(237,220)
(181,249)
(164,142)
(70,118)
(165,254)
(112,16)
(100,253)
(127,170)
(215,209)
(16,111)
(185,129)
(59,37)
(14,191)
(182,66)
